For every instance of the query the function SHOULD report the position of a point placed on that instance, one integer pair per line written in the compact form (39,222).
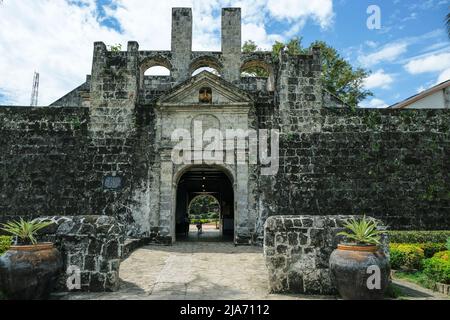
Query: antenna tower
(35,90)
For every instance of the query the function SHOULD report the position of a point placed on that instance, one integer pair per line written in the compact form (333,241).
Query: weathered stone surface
(91,244)
(390,164)
(191,271)
(302,267)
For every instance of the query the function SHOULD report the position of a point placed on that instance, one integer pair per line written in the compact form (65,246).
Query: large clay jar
(360,272)
(29,272)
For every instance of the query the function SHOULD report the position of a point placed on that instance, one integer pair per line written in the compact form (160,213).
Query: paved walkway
(192,271)
(412,291)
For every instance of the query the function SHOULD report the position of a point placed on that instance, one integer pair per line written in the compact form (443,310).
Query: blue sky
(410,52)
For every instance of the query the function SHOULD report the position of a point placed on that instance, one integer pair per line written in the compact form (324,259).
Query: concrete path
(192,271)
(210,270)
(412,291)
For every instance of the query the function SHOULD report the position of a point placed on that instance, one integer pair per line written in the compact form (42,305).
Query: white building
(437,97)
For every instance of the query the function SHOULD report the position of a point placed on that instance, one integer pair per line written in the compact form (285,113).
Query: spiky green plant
(363,232)
(25,231)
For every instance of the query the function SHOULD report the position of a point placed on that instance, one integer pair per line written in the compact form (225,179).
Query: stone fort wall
(389,164)
(393,165)
(386,164)
(54,163)
(94,153)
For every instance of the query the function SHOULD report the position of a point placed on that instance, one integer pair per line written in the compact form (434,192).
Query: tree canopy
(204,207)
(339,77)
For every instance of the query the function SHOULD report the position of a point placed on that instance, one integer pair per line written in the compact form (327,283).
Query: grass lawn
(415,277)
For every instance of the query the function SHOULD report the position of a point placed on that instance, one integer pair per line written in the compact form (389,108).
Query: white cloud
(379,79)
(371,44)
(258,34)
(421,89)
(444,76)
(319,10)
(374,104)
(388,53)
(432,63)
(51,37)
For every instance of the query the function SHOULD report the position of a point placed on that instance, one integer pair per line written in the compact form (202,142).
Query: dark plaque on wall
(112,183)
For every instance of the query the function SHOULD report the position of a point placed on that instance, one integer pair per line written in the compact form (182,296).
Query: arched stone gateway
(179,184)
(112,141)
(183,119)
(216,181)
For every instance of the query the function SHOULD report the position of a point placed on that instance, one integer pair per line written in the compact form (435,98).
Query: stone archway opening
(156,71)
(202,184)
(259,69)
(206,63)
(209,69)
(154,67)
(205,209)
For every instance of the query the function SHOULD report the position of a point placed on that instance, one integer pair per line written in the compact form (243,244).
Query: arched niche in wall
(259,68)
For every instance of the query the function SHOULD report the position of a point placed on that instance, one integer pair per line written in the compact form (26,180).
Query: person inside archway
(187,225)
(199,228)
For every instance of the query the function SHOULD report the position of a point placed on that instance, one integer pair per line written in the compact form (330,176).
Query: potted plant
(28,269)
(360,270)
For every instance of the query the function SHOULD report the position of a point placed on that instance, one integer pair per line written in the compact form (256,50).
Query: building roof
(421,95)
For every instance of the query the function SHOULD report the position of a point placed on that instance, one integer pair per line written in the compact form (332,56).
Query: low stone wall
(297,250)
(91,247)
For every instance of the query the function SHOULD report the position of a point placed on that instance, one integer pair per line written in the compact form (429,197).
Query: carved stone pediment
(205,89)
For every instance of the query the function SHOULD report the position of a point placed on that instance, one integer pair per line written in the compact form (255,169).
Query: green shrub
(444,255)
(5,243)
(438,267)
(406,256)
(202,221)
(418,236)
(448,244)
(430,249)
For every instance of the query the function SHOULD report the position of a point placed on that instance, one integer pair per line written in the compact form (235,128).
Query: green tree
(115,48)
(339,77)
(249,47)
(202,206)
(293,47)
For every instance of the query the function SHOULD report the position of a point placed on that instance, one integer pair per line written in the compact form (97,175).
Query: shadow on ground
(184,247)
